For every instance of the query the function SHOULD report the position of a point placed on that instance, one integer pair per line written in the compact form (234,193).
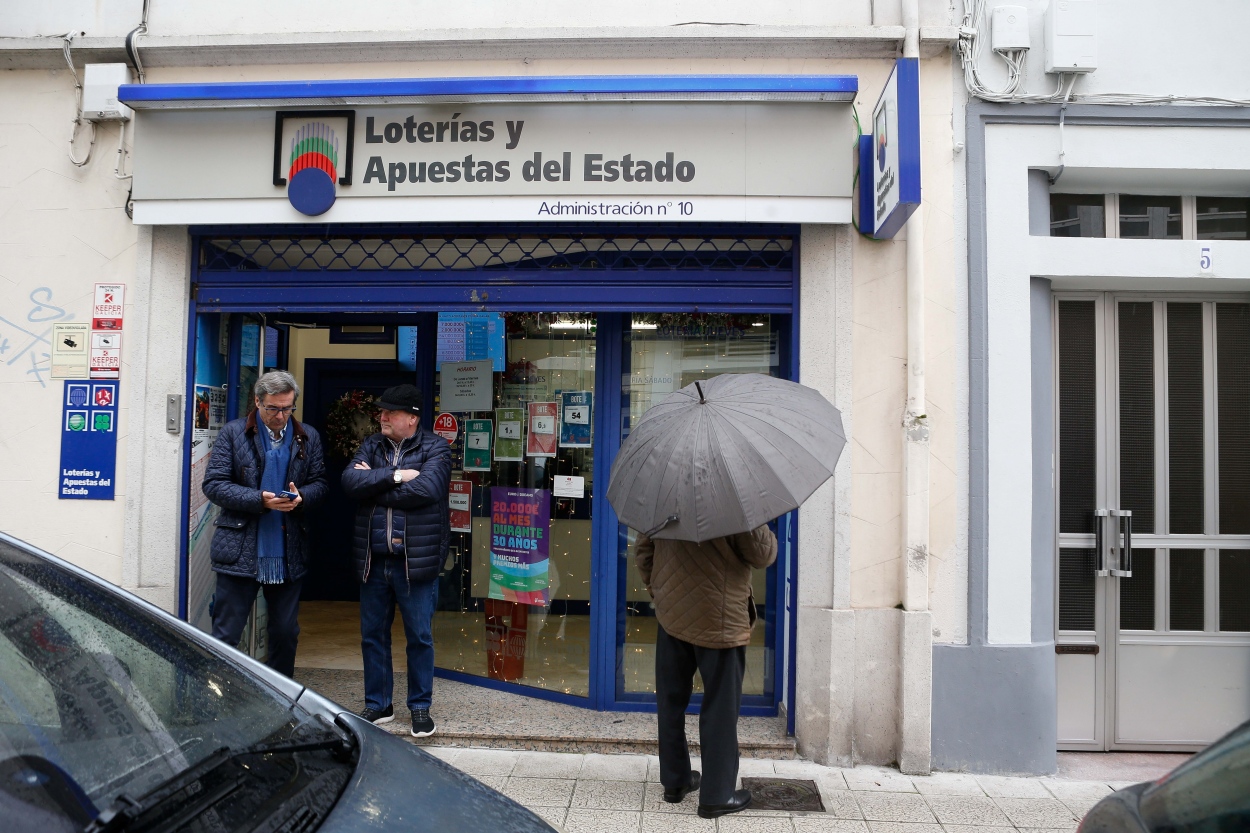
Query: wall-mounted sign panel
(88,441)
(890,165)
(594,161)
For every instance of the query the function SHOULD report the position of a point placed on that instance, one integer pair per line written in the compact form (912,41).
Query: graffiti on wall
(26,342)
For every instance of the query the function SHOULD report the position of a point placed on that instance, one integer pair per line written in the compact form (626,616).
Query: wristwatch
(397,477)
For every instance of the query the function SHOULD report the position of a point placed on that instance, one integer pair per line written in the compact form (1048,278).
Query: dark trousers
(232,604)
(722,670)
(387,588)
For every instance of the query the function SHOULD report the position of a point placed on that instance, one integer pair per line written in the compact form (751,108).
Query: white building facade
(912,616)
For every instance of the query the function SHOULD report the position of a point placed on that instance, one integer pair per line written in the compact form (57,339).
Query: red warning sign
(446,426)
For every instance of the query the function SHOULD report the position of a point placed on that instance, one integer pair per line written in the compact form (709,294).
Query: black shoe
(378,716)
(675,796)
(740,800)
(422,723)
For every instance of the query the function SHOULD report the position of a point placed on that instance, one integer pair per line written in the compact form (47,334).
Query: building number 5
(1204,260)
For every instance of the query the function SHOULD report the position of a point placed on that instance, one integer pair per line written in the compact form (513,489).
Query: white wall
(242,17)
(61,230)
(1148,46)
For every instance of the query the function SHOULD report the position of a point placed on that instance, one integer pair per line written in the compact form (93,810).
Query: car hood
(399,786)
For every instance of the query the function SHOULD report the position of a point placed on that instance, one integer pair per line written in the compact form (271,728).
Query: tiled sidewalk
(609,793)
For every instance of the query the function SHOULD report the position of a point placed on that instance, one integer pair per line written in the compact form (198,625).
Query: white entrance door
(1153,482)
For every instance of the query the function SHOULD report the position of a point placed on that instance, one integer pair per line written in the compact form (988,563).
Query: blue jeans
(387,588)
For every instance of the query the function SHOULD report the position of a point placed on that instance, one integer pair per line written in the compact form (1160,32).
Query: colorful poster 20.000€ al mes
(520,527)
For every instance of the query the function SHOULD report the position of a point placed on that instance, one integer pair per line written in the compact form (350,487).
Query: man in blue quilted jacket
(265,472)
(399,478)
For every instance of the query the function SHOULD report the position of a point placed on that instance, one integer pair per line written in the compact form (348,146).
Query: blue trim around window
(611,293)
(572,87)
(188,417)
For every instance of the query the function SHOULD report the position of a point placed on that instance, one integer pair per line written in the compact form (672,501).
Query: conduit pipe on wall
(916,639)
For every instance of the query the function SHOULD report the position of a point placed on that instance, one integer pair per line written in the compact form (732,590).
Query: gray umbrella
(723,456)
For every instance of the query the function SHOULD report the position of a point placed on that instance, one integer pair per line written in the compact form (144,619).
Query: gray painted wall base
(990,704)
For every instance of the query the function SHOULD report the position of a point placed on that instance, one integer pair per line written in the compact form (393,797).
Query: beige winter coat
(702,591)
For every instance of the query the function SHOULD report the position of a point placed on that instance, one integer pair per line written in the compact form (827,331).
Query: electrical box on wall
(1009,28)
(99,92)
(1071,36)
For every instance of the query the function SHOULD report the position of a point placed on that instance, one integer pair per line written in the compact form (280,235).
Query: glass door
(515,392)
(664,352)
(1152,620)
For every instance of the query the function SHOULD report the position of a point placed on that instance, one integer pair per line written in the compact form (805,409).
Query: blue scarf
(270,539)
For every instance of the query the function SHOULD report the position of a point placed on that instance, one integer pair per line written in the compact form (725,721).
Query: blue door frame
(226,283)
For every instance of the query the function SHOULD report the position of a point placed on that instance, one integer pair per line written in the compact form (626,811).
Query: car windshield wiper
(126,810)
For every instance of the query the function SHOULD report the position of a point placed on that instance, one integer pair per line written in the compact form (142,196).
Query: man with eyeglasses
(265,472)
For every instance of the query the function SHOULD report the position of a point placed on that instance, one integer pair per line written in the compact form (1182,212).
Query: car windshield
(99,696)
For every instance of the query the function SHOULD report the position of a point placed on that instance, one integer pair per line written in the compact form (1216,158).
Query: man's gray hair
(276,381)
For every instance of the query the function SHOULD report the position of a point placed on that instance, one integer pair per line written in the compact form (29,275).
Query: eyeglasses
(271,410)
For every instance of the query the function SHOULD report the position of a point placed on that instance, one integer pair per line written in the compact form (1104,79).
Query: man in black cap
(399,479)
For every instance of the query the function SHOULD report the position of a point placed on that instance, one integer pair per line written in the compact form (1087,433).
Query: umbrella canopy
(723,456)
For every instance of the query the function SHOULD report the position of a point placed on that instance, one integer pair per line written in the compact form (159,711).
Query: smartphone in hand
(288,495)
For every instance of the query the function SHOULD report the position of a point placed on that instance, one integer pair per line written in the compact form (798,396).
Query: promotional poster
(508,441)
(520,527)
(477,435)
(460,501)
(575,418)
(541,440)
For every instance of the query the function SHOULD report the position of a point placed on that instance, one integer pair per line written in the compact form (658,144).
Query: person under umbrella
(701,475)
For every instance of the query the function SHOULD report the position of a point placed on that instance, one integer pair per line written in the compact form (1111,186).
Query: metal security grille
(455,250)
(519,267)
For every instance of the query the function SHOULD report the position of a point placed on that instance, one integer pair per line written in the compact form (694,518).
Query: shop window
(1078,215)
(1223,218)
(1150,218)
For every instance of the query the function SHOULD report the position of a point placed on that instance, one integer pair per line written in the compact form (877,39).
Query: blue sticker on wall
(88,441)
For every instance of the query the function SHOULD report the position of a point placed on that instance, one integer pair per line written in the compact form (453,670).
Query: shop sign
(508,440)
(459,500)
(88,440)
(477,436)
(575,419)
(541,440)
(520,525)
(889,158)
(446,426)
(604,161)
(69,350)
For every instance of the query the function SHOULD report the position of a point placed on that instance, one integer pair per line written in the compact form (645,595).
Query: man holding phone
(264,472)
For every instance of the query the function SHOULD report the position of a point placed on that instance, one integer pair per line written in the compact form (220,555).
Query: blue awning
(809,88)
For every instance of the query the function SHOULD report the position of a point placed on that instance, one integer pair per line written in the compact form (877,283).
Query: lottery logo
(313,169)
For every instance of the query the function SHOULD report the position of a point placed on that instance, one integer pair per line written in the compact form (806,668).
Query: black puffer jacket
(232,481)
(415,512)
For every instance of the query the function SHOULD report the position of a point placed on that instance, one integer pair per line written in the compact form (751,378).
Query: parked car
(115,716)
(1209,793)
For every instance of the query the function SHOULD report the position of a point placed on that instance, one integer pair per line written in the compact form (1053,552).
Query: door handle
(1102,542)
(1113,540)
(1123,531)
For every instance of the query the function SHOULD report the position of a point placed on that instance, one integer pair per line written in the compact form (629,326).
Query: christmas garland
(353,417)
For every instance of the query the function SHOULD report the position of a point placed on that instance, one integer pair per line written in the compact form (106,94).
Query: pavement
(601,793)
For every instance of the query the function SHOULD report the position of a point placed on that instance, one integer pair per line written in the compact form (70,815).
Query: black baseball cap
(401,398)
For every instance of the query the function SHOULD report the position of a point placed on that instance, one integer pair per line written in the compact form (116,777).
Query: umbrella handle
(666,522)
